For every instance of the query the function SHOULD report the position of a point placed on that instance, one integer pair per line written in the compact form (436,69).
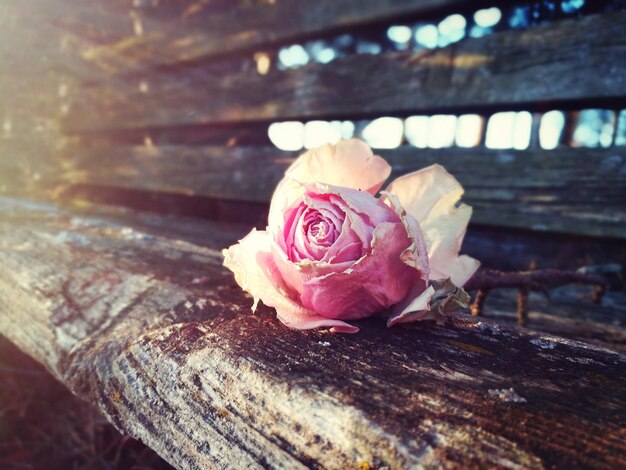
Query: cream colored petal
(431,196)
(285,195)
(413,309)
(444,234)
(462,269)
(350,164)
(419,192)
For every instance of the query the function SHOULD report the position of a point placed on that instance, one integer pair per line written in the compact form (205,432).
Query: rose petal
(377,281)
(462,269)
(363,203)
(255,272)
(414,308)
(349,164)
(287,193)
(444,236)
(336,326)
(296,274)
(358,211)
(420,191)
(430,195)
(417,254)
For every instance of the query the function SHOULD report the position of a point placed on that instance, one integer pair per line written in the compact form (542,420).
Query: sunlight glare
(384,133)
(288,135)
(550,129)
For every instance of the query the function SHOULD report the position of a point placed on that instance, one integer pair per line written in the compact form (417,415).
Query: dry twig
(527,281)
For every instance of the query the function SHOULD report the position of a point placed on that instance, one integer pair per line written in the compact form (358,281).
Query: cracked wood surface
(151,328)
(566,62)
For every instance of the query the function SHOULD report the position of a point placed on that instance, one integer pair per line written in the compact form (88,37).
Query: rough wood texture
(210,29)
(154,331)
(569,313)
(578,191)
(552,65)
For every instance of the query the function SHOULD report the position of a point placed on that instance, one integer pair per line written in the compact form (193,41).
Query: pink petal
(358,211)
(296,274)
(255,272)
(336,326)
(376,282)
(350,164)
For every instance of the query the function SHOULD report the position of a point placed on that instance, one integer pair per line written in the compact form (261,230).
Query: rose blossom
(333,252)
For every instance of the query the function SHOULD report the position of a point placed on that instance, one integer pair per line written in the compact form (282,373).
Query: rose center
(313,228)
(320,231)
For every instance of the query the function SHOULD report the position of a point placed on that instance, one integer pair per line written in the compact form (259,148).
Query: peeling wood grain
(115,312)
(579,191)
(562,64)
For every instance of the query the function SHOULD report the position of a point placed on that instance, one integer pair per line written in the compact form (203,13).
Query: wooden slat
(90,22)
(554,65)
(518,249)
(154,331)
(578,191)
(208,30)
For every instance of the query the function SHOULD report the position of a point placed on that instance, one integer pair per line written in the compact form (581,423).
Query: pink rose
(333,252)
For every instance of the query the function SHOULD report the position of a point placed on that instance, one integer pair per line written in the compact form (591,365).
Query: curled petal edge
(414,309)
(251,262)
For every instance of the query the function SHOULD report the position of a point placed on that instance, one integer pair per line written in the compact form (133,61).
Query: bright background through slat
(504,130)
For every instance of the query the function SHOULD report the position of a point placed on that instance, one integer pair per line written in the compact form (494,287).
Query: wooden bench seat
(135,313)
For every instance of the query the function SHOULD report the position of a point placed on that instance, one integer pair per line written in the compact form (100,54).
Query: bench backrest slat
(557,65)
(181,77)
(572,190)
(206,31)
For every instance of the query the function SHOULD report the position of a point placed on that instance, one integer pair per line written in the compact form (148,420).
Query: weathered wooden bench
(135,147)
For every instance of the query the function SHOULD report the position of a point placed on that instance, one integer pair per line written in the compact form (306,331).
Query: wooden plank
(513,249)
(579,191)
(44,425)
(116,313)
(209,30)
(562,64)
(570,317)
